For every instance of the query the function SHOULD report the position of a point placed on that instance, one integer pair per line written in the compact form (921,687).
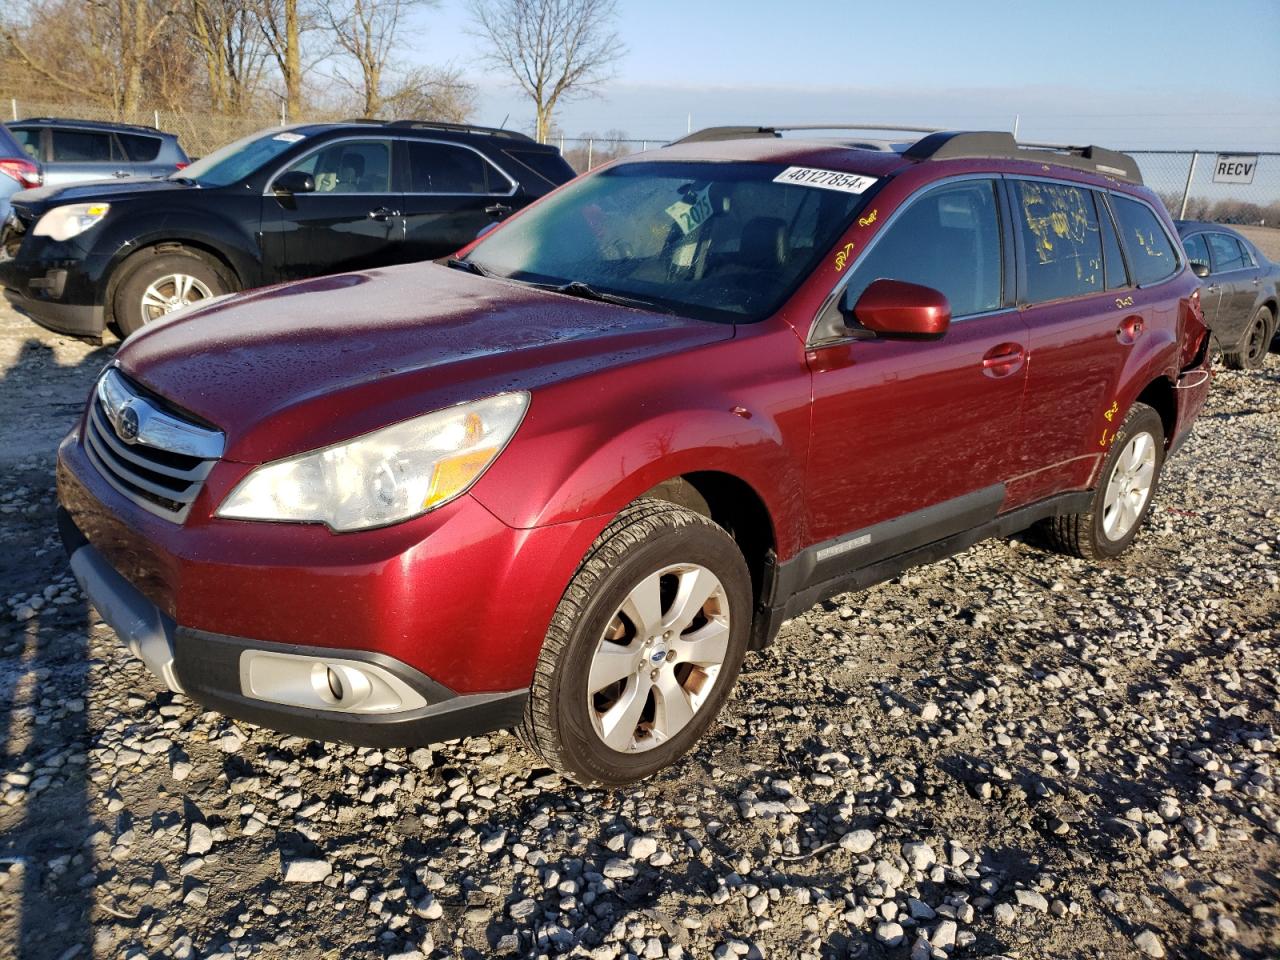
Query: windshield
(237,160)
(719,241)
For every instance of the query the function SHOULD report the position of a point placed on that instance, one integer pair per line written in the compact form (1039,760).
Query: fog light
(319,683)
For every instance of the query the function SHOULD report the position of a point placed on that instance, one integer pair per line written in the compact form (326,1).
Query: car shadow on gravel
(47,863)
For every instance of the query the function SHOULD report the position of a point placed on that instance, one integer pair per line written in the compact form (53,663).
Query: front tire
(1257,341)
(643,649)
(1121,501)
(156,284)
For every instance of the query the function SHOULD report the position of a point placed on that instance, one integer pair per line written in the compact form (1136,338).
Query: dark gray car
(71,151)
(1241,291)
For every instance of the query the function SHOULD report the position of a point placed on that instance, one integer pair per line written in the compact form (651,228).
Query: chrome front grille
(152,456)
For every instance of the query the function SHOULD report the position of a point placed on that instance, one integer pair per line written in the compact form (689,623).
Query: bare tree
(102,48)
(430,94)
(365,32)
(230,41)
(283,23)
(555,49)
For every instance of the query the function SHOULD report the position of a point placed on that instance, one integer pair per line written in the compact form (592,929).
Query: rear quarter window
(548,168)
(139,148)
(1152,256)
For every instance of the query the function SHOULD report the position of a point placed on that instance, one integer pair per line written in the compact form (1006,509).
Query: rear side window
(83,146)
(1152,256)
(139,148)
(1197,250)
(28,140)
(1227,253)
(1060,238)
(550,167)
(440,168)
(948,239)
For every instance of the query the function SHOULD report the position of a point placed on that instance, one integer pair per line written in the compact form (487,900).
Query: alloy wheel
(1129,487)
(659,657)
(172,292)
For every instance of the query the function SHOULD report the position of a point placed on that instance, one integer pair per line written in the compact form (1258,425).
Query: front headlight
(63,223)
(386,476)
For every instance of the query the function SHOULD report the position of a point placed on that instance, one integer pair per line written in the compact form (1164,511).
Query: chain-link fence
(1240,187)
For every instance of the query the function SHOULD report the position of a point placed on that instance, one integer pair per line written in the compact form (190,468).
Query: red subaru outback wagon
(566,481)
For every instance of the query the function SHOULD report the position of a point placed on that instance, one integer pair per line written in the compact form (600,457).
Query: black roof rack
(747,133)
(89,123)
(1092,159)
(460,128)
(951,144)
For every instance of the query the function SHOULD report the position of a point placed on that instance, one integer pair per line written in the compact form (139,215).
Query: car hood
(291,368)
(104,191)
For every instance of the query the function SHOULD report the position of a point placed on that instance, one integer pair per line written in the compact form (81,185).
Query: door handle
(1130,329)
(498,210)
(383,213)
(1003,359)
(121,173)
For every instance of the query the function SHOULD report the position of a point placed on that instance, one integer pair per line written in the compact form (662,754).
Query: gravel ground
(1006,753)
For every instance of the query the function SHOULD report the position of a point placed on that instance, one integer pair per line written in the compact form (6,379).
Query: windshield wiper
(576,288)
(468,265)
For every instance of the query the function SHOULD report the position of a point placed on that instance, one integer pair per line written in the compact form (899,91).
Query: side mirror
(294,181)
(893,309)
(1200,270)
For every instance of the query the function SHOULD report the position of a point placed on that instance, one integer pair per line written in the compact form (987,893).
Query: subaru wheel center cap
(658,655)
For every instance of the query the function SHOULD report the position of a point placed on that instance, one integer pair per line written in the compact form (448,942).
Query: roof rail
(460,128)
(747,133)
(1092,159)
(951,144)
(96,123)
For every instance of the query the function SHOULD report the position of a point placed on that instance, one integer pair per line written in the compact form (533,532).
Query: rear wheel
(156,284)
(1124,493)
(643,649)
(1257,341)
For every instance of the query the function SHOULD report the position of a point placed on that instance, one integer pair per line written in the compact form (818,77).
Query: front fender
(589,447)
(230,239)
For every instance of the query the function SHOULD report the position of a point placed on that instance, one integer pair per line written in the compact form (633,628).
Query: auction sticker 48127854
(825,179)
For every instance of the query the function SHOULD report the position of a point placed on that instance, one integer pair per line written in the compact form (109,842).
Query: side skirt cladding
(863,558)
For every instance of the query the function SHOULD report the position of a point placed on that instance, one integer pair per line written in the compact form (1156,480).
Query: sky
(1121,73)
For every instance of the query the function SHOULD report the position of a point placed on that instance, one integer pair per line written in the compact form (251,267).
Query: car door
(1083,317)
(453,192)
(1234,278)
(351,221)
(913,440)
(143,151)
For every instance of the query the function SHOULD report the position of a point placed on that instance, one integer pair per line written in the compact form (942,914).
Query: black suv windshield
(240,158)
(720,241)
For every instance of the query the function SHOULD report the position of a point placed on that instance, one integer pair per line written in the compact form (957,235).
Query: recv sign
(1235,168)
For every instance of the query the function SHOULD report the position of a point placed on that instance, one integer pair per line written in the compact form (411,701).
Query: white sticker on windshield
(690,216)
(288,137)
(825,179)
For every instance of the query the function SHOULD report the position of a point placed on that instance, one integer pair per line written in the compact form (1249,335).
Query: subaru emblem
(657,656)
(127,424)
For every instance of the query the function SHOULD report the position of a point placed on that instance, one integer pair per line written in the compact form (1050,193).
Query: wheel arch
(121,268)
(735,505)
(1159,395)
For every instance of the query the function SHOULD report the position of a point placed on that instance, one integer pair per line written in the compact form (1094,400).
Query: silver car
(70,151)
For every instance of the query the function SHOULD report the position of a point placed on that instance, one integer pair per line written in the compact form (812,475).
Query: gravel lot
(1006,753)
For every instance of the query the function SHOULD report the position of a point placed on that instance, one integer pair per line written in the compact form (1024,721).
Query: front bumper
(211,669)
(455,603)
(60,295)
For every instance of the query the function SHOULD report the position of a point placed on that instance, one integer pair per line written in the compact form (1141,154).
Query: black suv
(71,151)
(282,204)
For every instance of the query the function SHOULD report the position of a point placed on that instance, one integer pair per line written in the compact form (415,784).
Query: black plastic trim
(799,583)
(208,667)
